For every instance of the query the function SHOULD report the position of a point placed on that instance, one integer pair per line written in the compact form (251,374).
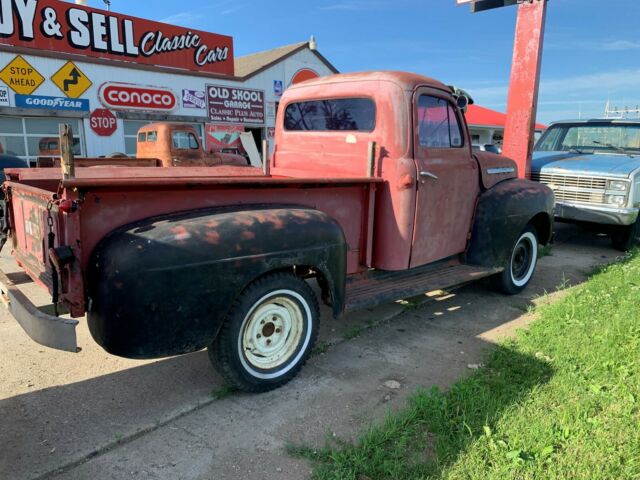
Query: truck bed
(101,200)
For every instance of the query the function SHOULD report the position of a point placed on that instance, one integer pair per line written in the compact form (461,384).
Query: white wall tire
(268,334)
(521,265)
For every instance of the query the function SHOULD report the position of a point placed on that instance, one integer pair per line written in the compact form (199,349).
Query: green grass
(545,251)
(320,348)
(562,401)
(353,332)
(222,392)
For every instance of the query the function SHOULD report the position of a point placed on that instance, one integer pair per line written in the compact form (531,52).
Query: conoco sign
(65,28)
(124,96)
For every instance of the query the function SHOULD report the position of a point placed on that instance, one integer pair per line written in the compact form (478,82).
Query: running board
(376,288)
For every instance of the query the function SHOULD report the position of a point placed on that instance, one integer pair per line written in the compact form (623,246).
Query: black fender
(163,286)
(502,214)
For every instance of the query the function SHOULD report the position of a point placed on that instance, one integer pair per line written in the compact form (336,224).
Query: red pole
(524,84)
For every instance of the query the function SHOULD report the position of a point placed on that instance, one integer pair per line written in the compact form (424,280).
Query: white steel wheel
(268,334)
(523,259)
(272,331)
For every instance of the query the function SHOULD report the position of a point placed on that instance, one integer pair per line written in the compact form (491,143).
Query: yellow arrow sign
(21,76)
(71,80)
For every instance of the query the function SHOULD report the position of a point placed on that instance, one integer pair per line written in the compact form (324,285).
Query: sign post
(524,84)
(66,151)
(522,104)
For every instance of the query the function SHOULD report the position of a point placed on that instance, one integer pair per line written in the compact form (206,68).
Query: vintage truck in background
(593,166)
(373,190)
(159,144)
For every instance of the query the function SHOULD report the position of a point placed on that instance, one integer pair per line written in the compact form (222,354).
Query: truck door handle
(428,174)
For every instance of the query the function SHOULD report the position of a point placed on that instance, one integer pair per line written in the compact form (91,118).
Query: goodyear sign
(52,103)
(71,80)
(21,77)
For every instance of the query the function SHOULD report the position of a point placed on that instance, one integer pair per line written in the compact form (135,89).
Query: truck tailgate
(33,216)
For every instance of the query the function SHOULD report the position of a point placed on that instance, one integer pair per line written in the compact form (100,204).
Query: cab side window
(438,125)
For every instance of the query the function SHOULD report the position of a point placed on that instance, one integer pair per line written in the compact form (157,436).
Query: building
(108,74)
(486,126)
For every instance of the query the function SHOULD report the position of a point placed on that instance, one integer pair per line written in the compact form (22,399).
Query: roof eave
(287,55)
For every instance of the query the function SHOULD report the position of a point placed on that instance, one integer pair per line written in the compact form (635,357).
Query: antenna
(108,4)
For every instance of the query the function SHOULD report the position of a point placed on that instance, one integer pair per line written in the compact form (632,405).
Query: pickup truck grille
(574,189)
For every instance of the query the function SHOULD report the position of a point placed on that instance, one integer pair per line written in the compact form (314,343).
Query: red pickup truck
(373,190)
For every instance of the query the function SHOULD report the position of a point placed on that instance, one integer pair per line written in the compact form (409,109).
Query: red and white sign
(303,75)
(125,96)
(103,122)
(68,29)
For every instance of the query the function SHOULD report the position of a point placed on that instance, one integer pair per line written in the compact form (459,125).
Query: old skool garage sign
(124,96)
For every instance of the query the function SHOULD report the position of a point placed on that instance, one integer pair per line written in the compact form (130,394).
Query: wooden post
(524,85)
(371,160)
(66,151)
(266,167)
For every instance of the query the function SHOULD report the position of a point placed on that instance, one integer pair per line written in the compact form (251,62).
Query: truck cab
(432,178)
(178,145)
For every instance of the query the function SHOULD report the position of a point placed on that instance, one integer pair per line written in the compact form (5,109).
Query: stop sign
(103,122)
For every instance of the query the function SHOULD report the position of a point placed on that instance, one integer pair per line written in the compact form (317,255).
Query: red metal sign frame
(524,85)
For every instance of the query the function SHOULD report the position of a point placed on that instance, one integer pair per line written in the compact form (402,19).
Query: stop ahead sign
(103,122)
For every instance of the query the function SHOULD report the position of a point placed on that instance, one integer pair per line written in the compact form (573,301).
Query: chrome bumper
(47,330)
(596,214)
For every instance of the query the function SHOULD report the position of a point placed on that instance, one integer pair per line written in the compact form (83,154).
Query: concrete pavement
(94,416)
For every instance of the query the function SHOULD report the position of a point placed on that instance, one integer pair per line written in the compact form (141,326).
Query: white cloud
(572,96)
(600,45)
(620,45)
(232,9)
(579,85)
(349,5)
(182,18)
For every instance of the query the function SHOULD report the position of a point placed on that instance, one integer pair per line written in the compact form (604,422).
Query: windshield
(609,138)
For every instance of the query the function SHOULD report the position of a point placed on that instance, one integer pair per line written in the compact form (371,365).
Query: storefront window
(37,138)
(131,128)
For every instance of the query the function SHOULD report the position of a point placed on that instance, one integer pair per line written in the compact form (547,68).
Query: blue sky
(592,47)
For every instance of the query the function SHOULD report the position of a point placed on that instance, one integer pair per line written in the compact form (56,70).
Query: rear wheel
(522,263)
(268,335)
(625,238)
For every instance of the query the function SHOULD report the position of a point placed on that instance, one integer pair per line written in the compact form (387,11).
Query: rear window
(351,114)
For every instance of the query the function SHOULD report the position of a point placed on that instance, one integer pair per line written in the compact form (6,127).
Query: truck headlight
(618,185)
(616,200)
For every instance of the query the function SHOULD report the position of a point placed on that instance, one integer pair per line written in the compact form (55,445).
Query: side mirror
(463,102)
